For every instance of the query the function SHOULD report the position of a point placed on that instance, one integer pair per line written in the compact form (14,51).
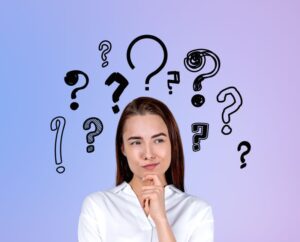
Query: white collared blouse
(116,215)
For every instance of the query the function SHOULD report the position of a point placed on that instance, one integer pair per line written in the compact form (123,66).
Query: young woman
(148,202)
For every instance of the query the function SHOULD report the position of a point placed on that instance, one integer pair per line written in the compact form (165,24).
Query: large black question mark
(90,137)
(248,149)
(58,124)
(147,36)
(123,83)
(202,135)
(232,108)
(71,79)
(194,62)
(106,46)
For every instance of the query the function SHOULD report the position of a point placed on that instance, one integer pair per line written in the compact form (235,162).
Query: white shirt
(117,216)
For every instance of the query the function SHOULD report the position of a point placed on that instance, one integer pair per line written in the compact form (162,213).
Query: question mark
(106,45)
(58,124)
(203,128)
(163,62)
(119,78)
(176,80)
(232,108)
(90,137)
(71,79)
(248,146)
(194,62)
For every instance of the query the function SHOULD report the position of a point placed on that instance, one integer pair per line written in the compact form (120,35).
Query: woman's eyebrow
(134,137)
(157,135)
(152,137)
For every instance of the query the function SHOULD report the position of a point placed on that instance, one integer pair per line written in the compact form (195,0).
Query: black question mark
(119,78)
(176,80)
(194,62)
(90,137)
(58,124)
(147,36)
(248,146)
(71,79)
(203,128)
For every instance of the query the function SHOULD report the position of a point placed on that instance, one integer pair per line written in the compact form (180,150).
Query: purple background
(258,44)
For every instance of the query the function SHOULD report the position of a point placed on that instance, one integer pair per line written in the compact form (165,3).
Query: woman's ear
(123,150)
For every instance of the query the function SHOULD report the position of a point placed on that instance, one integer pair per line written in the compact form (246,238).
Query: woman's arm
(203,227)
(87,227)
(154,203)
(164,231)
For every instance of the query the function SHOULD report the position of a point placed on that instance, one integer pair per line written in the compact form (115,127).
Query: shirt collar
(125,187)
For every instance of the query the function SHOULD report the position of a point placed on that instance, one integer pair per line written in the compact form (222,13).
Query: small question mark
(119,78)
(203,128)
(163,62)
(176,80)
(248,146)
(71,79)
(232,108)
(90,137)
(194,62)
(106,46)
(58,124)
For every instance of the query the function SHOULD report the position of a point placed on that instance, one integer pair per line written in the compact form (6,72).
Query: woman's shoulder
(100,197)
(190,206)
(92,201)
(199,208)
(198,201)
(190,200)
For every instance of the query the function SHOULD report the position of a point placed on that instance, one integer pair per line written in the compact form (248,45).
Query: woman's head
(147,133)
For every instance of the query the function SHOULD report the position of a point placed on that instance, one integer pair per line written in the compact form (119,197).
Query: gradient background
(258,44)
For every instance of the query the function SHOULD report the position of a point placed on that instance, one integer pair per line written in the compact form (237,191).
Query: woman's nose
(149,153)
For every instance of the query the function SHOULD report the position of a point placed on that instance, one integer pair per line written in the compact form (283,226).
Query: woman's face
(146,145)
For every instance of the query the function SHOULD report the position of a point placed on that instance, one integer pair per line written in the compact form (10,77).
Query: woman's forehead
(147,123)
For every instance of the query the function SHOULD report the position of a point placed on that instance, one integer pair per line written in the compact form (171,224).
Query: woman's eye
(135,143)
(157,141)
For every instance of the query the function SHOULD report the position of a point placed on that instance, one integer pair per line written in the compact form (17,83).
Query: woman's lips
(150,166)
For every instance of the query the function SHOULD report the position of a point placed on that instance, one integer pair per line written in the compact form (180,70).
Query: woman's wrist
(161,220)
(164,230)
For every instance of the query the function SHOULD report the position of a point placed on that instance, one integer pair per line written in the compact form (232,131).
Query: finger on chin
(154,178)
(148,182)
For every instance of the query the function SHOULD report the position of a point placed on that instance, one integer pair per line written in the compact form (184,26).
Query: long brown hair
(147,105)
